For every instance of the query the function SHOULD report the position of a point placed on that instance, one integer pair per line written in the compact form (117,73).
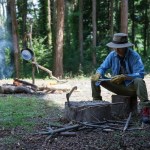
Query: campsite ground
(18,137)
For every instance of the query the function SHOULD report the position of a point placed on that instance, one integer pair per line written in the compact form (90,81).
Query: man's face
(120,51)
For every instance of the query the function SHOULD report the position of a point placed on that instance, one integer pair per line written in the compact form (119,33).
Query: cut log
(10,89)
(129,105)
(87,111)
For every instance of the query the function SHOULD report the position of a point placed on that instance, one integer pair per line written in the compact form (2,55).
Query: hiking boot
(145,115)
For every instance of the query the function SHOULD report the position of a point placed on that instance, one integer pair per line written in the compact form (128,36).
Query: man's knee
(138,81)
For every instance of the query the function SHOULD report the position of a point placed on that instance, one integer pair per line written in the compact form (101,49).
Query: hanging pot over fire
(27,54)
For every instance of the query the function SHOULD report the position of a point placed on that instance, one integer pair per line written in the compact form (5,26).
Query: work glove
(118,79)
(95,77)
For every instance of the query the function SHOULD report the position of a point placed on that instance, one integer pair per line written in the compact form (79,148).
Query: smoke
(6,50)
(6,53)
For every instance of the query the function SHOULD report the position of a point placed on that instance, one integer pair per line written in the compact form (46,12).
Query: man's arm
(105,65)
(137,67)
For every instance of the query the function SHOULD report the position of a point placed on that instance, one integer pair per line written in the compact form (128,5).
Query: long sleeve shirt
(133,65)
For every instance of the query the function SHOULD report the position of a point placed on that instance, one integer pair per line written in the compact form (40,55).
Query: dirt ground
(88,139)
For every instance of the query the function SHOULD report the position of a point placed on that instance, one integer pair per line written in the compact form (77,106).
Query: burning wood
(18,82)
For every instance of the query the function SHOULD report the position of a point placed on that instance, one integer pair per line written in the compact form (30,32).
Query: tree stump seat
(129,105)
(87,111)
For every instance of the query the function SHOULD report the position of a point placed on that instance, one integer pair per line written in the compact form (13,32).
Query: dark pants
(137,88)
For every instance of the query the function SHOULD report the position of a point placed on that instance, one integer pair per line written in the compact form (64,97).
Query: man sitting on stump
(127,74)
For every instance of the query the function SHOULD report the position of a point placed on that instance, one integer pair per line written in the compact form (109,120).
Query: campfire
(21,86)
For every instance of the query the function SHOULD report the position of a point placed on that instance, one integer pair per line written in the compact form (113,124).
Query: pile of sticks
(107,126)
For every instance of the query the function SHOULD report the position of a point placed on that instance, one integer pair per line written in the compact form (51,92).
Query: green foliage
(43,56)
(42,20)
(137,20)
(71,49)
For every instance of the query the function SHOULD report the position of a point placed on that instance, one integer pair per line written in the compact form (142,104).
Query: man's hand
(95,77)
(118,79)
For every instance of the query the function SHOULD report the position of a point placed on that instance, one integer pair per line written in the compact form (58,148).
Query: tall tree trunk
(133,21)
(12,5)
(148,33)
(22,9)
(124,16)
(94,31)
(81,32)
(111,17)
(49,34)
(145,30)
(53,25)
(117,20)
(58,57)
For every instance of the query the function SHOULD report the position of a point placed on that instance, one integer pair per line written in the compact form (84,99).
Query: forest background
(68,37)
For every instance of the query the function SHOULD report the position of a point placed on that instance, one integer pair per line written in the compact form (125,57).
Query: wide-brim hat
(120,40)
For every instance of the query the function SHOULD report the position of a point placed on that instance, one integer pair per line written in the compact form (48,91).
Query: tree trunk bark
(15,36)
(145,30)
(133,21)
(124,16)
(111,17)
(81,31)
(90,111)
(94,31)
(58,57)
(49,22)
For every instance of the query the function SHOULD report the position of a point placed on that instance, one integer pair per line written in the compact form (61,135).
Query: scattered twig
(127,122)
(100,126)
(107,126)
(68,128)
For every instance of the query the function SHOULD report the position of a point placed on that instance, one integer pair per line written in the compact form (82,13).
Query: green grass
(15,111)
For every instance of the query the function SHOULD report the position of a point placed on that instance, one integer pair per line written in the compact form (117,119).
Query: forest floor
(19,137)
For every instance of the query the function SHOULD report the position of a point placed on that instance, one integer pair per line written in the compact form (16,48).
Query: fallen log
(10,89)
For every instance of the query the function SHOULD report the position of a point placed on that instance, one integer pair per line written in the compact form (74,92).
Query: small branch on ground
(127,122)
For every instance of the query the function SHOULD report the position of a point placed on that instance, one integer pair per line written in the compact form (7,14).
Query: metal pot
(27,54)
